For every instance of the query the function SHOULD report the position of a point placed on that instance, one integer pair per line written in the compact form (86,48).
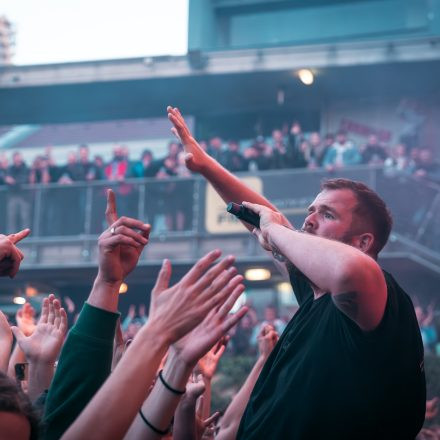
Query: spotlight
(257,274)
(19,300)
(123,288)
(306,76)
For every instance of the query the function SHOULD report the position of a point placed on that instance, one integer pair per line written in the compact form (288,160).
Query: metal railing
(67,219)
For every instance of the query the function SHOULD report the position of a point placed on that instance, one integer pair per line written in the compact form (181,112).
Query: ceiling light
(123,288)
(257,274)
(19,300)
(306,76)
(284,287)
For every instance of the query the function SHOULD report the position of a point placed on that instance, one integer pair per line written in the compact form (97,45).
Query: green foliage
(231,374)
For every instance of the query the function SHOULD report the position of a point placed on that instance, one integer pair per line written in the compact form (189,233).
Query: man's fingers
(63,321)
(44,311)
(200,267)
(231,320)
(19,335)
(263,243)
(253,207)
(128,232)
(163,278)
(211,419)
(18,236)
(57,308)
(220,352)
(110,212)
(176,133)
(51,315)
(130,223)
(117,240)
(237,289)
(215,277)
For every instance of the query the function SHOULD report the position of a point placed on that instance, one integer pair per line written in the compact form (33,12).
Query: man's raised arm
(354,280)
(228,186)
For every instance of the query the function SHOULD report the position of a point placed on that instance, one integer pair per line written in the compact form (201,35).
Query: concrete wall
(217,25)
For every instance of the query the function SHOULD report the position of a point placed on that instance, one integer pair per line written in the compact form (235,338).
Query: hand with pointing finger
(121,245)
(10,255)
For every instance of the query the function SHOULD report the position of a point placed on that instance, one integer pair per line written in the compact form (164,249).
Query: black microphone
(244,214)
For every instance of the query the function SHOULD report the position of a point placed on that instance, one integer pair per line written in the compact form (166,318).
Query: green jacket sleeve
(84,365)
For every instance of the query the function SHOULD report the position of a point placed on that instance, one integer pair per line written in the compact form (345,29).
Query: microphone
(244,214)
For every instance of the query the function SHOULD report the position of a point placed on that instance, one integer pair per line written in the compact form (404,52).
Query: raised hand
(189,422)
(25,318)
(121,245)
(10,255)
(5,342)
(215,325)
(267,339)
(208,364)
(267,217)
(195,156)
(203,290)
(44,344)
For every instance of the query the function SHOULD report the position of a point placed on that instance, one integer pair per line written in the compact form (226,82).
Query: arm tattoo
(347,303)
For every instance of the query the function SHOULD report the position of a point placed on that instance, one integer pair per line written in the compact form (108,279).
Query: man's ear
(364,242)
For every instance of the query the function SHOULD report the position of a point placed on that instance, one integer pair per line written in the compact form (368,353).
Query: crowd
(150,376)
(55,384)
(166,369)
(284,149)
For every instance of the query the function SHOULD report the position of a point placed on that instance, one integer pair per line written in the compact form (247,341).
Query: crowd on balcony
(287,148)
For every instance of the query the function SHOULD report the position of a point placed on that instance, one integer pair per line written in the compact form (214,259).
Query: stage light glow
(284,287)
(123,288)
(257,274)
(19,300)
(306,76)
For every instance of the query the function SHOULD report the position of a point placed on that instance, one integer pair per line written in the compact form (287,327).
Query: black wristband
(168,387)
(153,428)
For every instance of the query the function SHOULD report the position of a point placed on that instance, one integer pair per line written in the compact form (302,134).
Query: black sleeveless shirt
(328,379)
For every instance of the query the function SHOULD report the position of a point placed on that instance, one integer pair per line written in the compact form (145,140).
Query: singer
(349,365)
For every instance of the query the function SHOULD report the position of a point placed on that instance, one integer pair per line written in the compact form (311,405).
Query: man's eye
(328,215)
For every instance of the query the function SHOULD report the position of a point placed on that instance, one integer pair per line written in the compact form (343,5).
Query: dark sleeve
(84,365)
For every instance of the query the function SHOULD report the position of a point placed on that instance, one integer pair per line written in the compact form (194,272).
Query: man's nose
(310,223)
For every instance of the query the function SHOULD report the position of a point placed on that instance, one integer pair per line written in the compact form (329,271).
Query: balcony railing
(189,219)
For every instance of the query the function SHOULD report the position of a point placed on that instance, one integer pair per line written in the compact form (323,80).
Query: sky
(53,31)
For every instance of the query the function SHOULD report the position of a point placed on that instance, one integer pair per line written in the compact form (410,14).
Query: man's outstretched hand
(10,255)
(121,245)
(195,157)
(44,343)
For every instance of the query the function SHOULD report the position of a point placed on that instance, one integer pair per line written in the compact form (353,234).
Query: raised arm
(42,347)
(159,408)
(5,342)
(177,310)
(10,256)
(229,187)
(230,422)
(25,319)
(354,279)
(86,358)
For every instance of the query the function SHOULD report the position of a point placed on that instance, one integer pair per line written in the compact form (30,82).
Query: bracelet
(153,428)
(168,387)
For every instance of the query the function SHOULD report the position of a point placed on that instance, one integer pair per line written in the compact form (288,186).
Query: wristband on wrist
(153,428)
(169,387)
